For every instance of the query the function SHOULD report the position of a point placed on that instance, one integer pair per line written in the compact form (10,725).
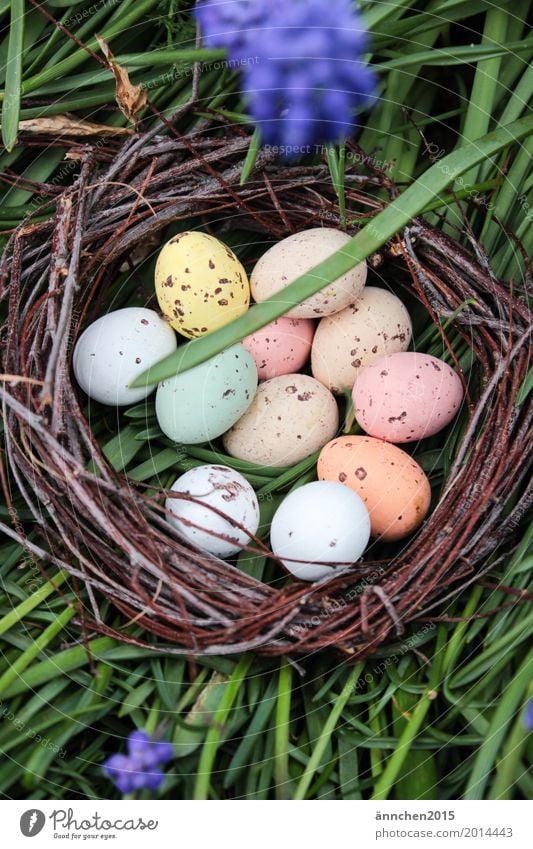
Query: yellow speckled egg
(200,284)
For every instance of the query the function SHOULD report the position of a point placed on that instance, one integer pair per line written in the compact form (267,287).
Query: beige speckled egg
(295,255)
(200,284)
(290,417)
(394,488)
(375,325)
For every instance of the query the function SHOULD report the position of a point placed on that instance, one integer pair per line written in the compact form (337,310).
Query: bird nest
(71,509)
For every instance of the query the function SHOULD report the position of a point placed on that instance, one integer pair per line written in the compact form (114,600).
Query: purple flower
(304,78)
(141,766)
(528,716)
(230,23)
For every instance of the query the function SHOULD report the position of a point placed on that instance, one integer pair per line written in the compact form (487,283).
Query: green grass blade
(212,740)
(388,777)
(24,659)
(325,737)
(281,743)
(251,156)
(13,88)
(503,715)
(34,600)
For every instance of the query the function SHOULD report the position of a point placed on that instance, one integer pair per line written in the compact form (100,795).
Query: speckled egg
(281,347)
(117,348)
(320,521)
(216,487)
(203,402)
(200,284)
(373,326)
(291,417)
(295,255)
(406,397)
(393,486)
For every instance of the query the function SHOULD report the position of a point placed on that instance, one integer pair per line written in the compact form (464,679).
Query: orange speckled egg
(393,486)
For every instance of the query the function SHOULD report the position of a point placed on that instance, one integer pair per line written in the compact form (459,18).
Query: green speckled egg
(204,402)
(200,284)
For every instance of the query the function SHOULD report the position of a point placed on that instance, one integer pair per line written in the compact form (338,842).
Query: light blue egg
(204,402)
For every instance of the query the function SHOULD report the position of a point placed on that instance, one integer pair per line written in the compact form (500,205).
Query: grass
(436,715)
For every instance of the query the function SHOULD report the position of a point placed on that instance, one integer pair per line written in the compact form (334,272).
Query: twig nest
(101,517)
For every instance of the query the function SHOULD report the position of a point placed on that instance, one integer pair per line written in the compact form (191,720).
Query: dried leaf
(66,125)
(130,98)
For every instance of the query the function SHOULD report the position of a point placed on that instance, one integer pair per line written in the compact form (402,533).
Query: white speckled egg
(373,326)
(295,255)
(200,284)
(281,347)
(216,487)
(203,402)
(290,417)
(117,348)
(320,521)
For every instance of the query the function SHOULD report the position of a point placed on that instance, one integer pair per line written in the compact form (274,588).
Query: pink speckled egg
(406,396)
(281,347)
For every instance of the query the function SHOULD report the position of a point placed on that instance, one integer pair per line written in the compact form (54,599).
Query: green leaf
(251,155)
(525,389)
(327,732)
(214,735)
(13,89)
(508,703)
(385,225)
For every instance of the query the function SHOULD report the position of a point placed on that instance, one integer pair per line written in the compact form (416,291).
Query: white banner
(246,825)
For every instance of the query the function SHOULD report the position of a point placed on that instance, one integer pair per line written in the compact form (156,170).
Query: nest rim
(53,273)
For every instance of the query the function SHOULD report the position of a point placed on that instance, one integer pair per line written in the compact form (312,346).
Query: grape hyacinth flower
(528,716)
(303,74)
(230,23)
(141,766)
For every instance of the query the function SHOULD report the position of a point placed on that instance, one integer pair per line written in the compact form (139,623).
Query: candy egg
(118,347)
(216,487)
(281,347)
(373,326)
(393,486)
(406,397)
(203,402)
(200,284)
(295,255)
(322,521)
(290,417)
